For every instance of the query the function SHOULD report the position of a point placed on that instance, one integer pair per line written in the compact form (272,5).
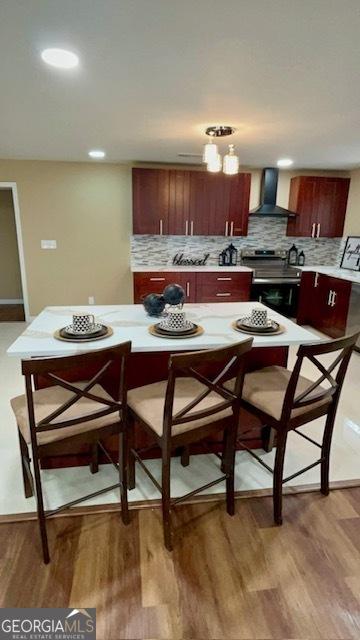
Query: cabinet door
(239,203)
(155,282)
(306,305)
(302,200)
(209,204)
(179,201)
(331,196)
(337,307)
(150,201)
(223,287)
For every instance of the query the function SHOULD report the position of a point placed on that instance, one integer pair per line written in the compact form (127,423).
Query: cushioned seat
(265,389)
(48,400)
(148,403)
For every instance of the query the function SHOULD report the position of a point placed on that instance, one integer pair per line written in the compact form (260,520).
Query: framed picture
(351,255)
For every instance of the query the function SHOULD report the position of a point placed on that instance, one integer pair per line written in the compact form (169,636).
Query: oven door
(280,296)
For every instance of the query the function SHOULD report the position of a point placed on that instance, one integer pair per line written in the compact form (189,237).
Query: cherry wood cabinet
(223,287)
(216,286)
(320,203)
(155,282)
(324,303)
(183,202)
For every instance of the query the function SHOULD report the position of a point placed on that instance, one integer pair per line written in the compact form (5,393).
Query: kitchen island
(149,357)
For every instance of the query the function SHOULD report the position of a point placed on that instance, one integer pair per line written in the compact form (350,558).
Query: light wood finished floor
(227,577)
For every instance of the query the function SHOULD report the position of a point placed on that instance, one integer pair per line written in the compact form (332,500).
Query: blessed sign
(180,261)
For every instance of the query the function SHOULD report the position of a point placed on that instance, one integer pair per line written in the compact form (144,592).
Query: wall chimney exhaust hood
(268,206)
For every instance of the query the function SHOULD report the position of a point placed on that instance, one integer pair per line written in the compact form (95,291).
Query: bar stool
(76,412)
(284,400)
(187,408)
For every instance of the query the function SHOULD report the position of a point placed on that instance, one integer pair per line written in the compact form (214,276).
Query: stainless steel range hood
(268,206)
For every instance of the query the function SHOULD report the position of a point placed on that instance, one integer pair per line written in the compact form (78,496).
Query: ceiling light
(285,162)
(214,166)
(210,152)
(60,58)
(231,162)
(97,154)
(211,155)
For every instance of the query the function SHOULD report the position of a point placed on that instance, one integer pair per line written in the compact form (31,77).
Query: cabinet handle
(192,227)
(221,279)
(157,279)
(318,230)
(316,281)
(333,299)
(232,228)
(161,226)
(329,297)
(223,295)
(226,228)
(186,227)
(313,230)
(188,289)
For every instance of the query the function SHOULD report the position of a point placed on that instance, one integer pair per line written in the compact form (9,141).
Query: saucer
(187,326)
(247,323)
(94,329)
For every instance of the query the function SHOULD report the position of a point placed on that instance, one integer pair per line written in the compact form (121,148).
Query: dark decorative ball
(174,294)
(154,304)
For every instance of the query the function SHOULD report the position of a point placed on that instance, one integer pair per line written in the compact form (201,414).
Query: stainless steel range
(275,283)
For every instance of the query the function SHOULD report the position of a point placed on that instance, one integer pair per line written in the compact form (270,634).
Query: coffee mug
(258,317)
(174,320)
(83,322)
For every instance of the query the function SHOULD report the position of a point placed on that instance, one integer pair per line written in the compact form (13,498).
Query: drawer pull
(223,278)
(157,279)
(223,295)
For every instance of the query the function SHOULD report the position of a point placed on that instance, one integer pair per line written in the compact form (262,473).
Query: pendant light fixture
(231,162)
(212,157)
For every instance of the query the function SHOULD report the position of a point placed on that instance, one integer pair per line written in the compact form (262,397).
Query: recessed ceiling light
(60,58)
(97,153)
(285,162)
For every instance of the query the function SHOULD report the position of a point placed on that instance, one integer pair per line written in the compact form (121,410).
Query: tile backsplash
(269,233)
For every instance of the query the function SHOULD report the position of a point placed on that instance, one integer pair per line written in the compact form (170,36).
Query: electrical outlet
(91,300)
(48,244)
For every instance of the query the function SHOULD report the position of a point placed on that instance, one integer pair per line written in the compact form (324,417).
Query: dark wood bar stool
(284,401)
(188,407)
(81,412)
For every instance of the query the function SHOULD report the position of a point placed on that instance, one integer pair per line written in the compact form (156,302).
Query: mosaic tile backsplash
(269,233)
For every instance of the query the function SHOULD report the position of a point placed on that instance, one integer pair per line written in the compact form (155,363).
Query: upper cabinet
(182,202)
(320,203)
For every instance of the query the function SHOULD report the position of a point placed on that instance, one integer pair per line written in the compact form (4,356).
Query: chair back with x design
(51,369)
(315,393)
(231,361)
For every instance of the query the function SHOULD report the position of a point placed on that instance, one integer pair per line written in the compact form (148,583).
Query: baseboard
(150,504)
(11,301)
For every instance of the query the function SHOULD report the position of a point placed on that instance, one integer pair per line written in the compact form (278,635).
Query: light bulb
(214,166)
(231,162)
(210,152)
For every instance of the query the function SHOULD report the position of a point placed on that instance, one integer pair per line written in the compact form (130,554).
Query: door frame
(13,187)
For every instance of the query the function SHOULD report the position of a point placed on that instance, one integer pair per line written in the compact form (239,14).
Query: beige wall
(86,208)
(352,221)
(10,280)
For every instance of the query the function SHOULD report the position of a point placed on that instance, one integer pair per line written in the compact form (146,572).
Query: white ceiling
(155,73)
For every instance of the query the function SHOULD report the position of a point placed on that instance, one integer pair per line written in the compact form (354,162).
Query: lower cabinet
(199,287)
(324,303)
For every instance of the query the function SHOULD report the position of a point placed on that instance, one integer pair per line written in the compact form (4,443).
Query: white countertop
(130,322)
(335,272)
(145,268)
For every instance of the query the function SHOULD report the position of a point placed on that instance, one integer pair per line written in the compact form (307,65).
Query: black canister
(293,256)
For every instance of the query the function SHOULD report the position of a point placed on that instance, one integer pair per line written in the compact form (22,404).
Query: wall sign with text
(351,255)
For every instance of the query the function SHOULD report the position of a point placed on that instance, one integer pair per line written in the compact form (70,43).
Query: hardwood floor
(12,313)
(227,577)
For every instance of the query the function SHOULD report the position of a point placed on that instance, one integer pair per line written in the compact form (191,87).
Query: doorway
(13,292)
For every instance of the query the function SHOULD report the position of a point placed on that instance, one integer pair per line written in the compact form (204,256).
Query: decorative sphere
(154,304)
(174,294)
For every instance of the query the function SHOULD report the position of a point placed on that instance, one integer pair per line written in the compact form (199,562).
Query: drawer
(221,294)
(155,282)
(223,278)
